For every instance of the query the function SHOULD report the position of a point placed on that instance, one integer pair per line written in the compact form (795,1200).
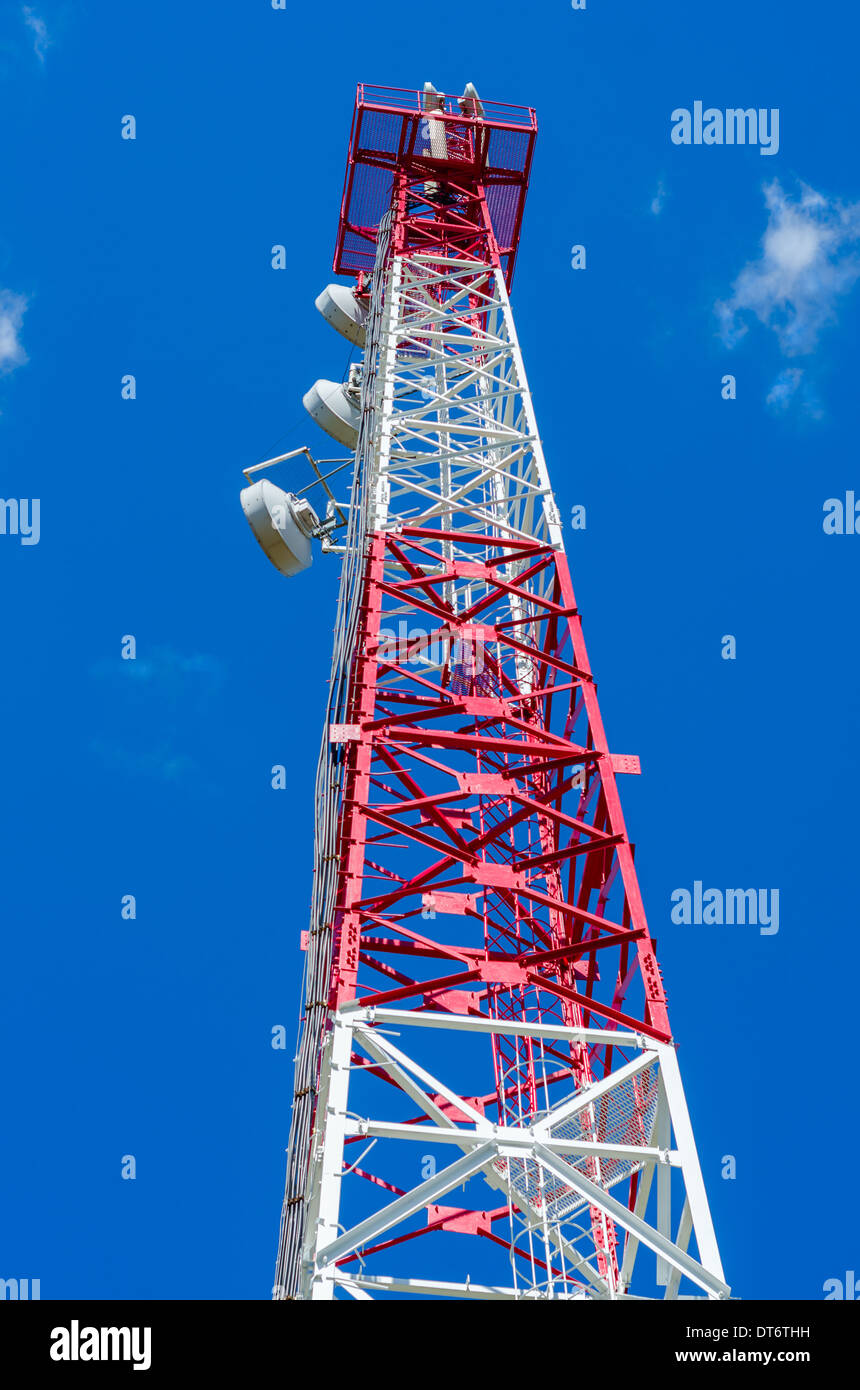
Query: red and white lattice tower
(487,1098)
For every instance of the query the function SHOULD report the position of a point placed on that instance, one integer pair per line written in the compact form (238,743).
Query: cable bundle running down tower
(487,1097)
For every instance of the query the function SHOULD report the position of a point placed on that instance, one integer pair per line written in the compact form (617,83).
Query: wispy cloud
(41,41)
(809,260)
(179,671)
(153,724)
(659,199)
(179,681)
(792,387)
(161,761)
(12,310)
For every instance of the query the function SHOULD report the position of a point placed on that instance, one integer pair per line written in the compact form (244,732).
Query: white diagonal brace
(408,1086)
(626,1218)
(593,1093)
(400,1210)
(685,1230)
(377,1042)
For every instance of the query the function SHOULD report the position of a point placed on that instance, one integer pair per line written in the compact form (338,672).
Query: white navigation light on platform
(470,103)
(431,100)
(336,409)
(433,130)
(282,523)
(341,308)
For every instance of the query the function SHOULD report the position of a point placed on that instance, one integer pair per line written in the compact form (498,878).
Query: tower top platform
(478,145)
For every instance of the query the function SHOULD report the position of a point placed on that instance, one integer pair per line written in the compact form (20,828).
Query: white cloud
(155,704)
(12,309)
(659,198)
(785,387)
(792,385)
(40,31)
(809,259)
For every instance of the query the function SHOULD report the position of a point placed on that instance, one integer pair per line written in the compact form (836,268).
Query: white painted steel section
(485,1146)
(703,1226)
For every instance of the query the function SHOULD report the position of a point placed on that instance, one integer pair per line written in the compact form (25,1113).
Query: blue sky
(704,518)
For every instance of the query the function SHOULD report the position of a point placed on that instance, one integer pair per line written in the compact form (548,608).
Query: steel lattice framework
(484,1013)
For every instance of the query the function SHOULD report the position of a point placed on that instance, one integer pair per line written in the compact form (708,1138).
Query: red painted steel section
(455,776)
(389,142)
(505,797)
